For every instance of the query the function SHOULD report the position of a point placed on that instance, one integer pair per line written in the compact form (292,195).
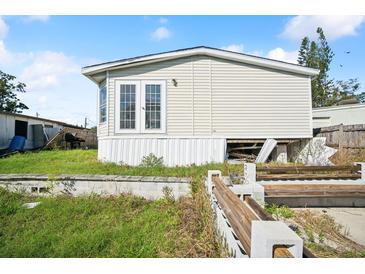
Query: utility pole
(37,114)
(85,122)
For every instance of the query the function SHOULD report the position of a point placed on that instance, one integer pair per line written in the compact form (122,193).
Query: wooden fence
(344,137)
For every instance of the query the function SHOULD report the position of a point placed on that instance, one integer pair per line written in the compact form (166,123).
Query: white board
(266,150)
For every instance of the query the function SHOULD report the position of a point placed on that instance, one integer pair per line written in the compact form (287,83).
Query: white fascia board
(248,59)
(338,107)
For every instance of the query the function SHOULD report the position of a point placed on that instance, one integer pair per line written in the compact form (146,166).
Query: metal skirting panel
(175,151)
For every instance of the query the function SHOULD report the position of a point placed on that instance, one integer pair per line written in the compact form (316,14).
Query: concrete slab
(352,219)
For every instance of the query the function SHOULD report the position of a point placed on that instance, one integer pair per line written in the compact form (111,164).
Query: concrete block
(281,154)
(249,173)
(267,234)
(362,164)
(212,173)
(255,190)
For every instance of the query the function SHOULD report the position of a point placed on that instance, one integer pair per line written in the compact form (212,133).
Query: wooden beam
(270,177)
(240,215)
(298,169)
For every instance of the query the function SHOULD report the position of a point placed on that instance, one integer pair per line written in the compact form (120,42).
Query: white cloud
(282,55)
(234,47)
(5,56)
(3,29)
(39,18)
(12,58)
(161,33)
(333,26)
(163,20)
(46,70)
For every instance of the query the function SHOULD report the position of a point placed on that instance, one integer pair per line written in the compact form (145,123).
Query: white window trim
(117,106)
(162,128)
(103,84)
(140,103)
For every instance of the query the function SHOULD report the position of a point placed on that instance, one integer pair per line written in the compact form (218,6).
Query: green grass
(85,162)
(94,226)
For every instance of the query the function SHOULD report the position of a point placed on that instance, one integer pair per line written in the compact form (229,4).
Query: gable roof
(201,50)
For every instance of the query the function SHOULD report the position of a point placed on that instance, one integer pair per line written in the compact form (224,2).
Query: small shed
(37,131)
(351,114)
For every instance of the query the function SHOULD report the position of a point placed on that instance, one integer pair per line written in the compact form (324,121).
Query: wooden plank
(245,148)
(314,190)
(314,195)
(243,232)
(281,251)
(298,169)
(299,187)
(240,215)
(263,215)
(269,177)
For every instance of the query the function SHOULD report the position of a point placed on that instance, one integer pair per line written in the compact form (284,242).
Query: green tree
(317,54)
(303,51)
(326,91)
(8,98)
(348,90)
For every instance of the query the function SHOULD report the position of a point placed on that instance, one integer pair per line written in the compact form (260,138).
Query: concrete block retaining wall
(146,186)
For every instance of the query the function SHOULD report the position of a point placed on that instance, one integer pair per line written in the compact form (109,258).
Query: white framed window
(140,106)
(102,104)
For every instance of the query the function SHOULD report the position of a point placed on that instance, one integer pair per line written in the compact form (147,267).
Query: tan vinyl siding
(253,102)
(102,130)
(216,97)
(179,99)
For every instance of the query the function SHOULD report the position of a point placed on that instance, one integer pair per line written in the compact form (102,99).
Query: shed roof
(89,71)
(40,119)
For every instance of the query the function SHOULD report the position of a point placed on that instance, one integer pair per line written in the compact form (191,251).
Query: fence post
(362,170)
(249,170)
(212,173)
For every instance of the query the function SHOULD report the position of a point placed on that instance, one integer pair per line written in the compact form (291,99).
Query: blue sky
(47,52)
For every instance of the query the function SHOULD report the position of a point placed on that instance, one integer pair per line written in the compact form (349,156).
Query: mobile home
(188,105)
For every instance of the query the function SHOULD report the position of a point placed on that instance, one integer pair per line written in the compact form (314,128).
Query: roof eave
(89,71)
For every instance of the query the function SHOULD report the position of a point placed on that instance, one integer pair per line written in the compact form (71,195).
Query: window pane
(152,106)
(102,104)
(127,106)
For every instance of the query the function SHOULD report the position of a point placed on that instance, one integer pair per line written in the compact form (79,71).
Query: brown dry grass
(324,237)
(348,156)
(197,235)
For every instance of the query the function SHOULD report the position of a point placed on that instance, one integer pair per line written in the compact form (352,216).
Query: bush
(152,160)
(279,212)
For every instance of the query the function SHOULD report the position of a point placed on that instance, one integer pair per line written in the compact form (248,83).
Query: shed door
(21,128)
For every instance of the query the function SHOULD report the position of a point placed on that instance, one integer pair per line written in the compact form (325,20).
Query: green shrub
(279,211)
(152,160)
